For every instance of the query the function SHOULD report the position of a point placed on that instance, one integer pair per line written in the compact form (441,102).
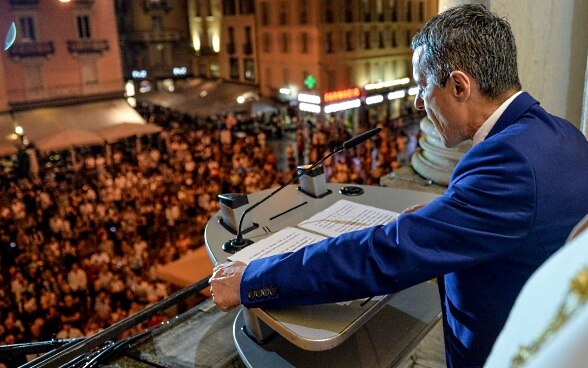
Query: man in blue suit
(512,200)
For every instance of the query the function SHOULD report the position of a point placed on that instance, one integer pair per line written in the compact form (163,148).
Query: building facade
(155,37)
(204,17)
(331,51)
(59,52)
(239,51)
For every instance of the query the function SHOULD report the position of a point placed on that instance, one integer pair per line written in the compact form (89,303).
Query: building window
(264,14)
(283,13)
(379,72)
(229,7)
(83,23)
(393,10)
(285,43)
(234,67)
(267,42)
(286,77)
(329,43)
(381,41)
(27,29)
(157,23)
(421,11)
(393,36)
(329,11)
(246,7)
(303,15)
(304,41)
(89,73)
(214,70)
(348,41)
(268,77)
(408,37)
(249,67)
(248,34)
(348,12)
(409,11)
(365,8)
(331,80)
(367,40)
(380,10)
(231,35)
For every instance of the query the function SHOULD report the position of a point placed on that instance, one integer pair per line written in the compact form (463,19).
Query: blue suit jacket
(511,203)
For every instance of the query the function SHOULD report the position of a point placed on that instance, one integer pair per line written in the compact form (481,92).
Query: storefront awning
(203,98)
(8,139)
(43,122)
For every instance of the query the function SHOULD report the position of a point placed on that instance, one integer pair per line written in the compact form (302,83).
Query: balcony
(206,50)
(84,3)
(248,48)
(156,6)
(153,36)
(231,48)
(24,4)
(23,50)
(77,47)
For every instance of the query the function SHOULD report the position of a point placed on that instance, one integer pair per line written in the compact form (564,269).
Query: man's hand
(225,284)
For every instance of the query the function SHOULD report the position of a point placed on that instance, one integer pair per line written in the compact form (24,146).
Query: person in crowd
(511,202)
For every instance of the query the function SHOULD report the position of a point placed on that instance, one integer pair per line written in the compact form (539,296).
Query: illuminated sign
(386,84)
(413,91)
(305,97)
(139,73)
(344,94)
(340,106)
(180,70)
(303,106)
(396,95)
(370,100)
(310,82)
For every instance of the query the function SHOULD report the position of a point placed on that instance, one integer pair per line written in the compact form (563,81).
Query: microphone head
(360,138)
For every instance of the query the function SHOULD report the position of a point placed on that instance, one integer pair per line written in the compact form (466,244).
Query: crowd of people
(81,242)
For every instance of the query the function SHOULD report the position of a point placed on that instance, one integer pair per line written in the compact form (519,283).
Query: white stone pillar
(551,43)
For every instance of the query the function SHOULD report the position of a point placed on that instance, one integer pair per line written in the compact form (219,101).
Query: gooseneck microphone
(239,242)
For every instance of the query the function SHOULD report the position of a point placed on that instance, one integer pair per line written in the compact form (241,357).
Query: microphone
(234,245)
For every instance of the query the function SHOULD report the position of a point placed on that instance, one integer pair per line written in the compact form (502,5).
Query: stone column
(434,161)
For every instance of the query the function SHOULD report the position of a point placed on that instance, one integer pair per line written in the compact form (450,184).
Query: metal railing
(31,49)
(88,46)
(74,350)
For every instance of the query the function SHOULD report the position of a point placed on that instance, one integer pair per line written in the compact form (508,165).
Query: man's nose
(419,104)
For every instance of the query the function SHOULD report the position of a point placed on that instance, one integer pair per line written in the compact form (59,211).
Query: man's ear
(461,84)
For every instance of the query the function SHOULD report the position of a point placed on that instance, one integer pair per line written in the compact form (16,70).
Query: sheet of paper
(286,240)
(345,216)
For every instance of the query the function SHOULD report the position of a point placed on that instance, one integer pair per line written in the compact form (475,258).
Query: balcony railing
(84,3)
(76,47)
(156,6)
(31,49)
(24,4)
(206,50)
(248,48)
(151,36)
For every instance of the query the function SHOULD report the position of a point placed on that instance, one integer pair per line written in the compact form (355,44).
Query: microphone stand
(234,245)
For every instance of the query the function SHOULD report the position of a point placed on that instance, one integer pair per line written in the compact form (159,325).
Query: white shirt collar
(492,119)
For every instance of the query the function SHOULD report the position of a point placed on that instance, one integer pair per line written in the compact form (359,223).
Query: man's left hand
(225,284)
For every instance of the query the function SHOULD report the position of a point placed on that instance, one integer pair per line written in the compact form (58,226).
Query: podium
(377,332)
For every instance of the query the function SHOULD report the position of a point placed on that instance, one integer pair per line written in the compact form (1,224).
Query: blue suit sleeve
(485,213)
